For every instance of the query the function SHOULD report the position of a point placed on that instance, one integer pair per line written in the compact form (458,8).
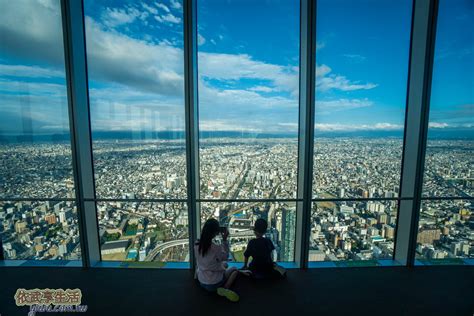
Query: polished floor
(437,290)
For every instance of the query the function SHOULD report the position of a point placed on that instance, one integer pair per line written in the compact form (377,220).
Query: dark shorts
(213,287)
(262,272)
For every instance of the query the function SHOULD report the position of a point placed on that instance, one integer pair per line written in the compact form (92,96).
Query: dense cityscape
(234,168)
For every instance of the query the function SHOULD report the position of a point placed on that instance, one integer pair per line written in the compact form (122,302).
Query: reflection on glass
(352,231)
(34,126)
(136,63)
(361,80)
(449,167)
(139,231)
(248,98)
(445,230)
(37,230)
(240,217)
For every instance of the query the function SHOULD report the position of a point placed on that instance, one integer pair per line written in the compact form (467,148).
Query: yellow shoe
(229,294)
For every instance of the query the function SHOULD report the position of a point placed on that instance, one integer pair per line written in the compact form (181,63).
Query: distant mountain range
(171,135)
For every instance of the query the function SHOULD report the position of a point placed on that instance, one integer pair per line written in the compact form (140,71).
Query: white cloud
(115,57)
(337,127)
(113,17)
(149,9)
(201,40)
(121,108)
(162,6)
(229,125)
(23,88)
(33,106)
(239,66)
(339,82)
(261,89)
(322,71)
(175,4)
(320,45)
(240,100)
(341,104)
(170,18)
(355,57)
(437,125)
(149,76)
(235,66)
(30,71)
(32,30)
(288,127)
(326,81)
(256,126)
(388,126)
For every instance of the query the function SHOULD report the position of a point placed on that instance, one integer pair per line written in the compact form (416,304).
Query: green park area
(111,237)
(131,230)
(143,264)
(357,263)
(238,255)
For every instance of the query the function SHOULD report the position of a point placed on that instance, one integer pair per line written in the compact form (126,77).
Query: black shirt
(260,249)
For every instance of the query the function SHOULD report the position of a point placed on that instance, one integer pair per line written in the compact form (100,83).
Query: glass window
(136,64)
(35,148)
(449,167)
(40,230)
(352,230)
(142,231)
(248,98)
(136,87)
(240,217)
(361,78)
(446,229)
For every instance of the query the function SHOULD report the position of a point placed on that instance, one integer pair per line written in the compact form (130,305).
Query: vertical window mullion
(416,127)
(79,116)
(306,128)
(191,120)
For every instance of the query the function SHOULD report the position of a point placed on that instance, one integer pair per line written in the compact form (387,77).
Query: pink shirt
(210,268)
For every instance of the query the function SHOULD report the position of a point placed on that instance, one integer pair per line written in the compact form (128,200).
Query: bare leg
(230,275)
(231,279)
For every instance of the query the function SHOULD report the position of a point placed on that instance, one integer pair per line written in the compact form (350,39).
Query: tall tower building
(287,235)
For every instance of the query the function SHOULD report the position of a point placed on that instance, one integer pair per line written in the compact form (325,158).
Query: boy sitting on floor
(260,249)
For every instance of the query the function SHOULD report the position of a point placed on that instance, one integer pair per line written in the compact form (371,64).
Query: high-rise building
(428,235)
(287,235)
(389,231)
(142,254)
(316,255)
(64,215)
(20,227)
(50,219)
(382,218)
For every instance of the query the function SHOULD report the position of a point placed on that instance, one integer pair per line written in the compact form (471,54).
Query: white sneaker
(280,270)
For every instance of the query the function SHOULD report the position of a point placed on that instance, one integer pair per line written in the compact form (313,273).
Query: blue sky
(248,66)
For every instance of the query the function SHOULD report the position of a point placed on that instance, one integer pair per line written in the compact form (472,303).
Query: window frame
(420,65)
